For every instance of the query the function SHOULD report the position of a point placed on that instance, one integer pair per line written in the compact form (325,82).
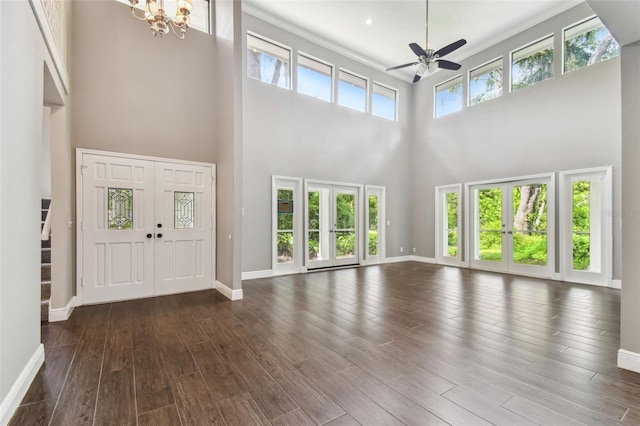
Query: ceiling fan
(428,56)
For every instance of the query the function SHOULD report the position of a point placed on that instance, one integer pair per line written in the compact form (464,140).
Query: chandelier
(157,18)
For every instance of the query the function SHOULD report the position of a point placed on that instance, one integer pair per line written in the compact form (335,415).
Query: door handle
(159,235)
(159,225)
(149,235)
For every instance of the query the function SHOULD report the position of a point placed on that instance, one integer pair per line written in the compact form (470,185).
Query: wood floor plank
(116,402)
(537,413)
(354,402)
(50,378)
(33,414)
(216,372)
(164,416)
(271,398)
(77,402)
(294,418)
(193,401)
(241,410)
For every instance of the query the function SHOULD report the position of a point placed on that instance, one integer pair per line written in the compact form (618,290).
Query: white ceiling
(340,25)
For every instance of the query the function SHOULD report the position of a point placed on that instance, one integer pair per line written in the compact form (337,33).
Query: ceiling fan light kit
(427,56)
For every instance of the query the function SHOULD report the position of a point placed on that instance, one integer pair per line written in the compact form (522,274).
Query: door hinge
(213,180)
(83,168)
(81,281)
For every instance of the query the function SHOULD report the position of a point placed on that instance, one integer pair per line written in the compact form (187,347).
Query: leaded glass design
(120,208)
(184,210)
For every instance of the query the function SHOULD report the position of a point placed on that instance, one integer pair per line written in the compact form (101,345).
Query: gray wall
(290,134)
(630,300)
(569,122)
(22,55)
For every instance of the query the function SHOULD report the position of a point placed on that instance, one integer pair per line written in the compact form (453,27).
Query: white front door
(146,227)
(183,228)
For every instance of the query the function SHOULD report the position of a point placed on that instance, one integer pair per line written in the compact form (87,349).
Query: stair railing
(46,228)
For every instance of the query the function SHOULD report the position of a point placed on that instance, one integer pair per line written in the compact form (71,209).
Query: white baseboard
(63,314)
(423,259)
(397,259)
(228,293)
(19,389)
(617,284)
(629,360)
(252,275)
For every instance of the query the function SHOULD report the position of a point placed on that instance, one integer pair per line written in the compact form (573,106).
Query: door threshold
(333,268)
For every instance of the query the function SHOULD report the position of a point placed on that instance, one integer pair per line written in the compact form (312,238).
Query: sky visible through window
(449,97)
(314,83)
(352,96)
(383,106)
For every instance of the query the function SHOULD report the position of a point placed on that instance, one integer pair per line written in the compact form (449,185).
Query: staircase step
(45,272)
(45,291)
(45,256)
(46,244)
(44,311)
(44,215)
(45,204)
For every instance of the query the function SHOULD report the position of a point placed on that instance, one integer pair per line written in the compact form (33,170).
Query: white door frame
(442,220)
(80,152)
(604,207)
(379,191)
(507,264)
(294,184)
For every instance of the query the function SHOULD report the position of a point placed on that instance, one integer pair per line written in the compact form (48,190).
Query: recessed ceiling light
(368,21)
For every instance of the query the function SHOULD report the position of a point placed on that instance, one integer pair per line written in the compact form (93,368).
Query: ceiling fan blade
(419,51)
(450,48)
(421,70)
(402,66)
(448,65)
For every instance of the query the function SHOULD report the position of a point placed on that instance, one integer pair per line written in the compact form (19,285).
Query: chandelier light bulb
(158,20)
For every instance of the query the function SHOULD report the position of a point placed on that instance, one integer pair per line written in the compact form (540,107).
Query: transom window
(315,78)
(448,96)
(588,43)
(352,91)
(383,101)
(268,62)
(532,64)
(485,82)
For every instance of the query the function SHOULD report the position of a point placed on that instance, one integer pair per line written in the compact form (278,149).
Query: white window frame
(367,83)
(275,43)
(294,184)
(499,58)
(441,225)
(435,96)
(548,36)
(384,86)
(566,179)
(321,61)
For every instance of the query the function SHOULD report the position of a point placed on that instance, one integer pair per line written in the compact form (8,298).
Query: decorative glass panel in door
(529,225)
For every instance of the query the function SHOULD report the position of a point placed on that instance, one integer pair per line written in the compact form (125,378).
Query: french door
(145,228)
(512,226)
(332,225)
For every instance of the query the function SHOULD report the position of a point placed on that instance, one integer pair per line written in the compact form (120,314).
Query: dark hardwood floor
(403,343)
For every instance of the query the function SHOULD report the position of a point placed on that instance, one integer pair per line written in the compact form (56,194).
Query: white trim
(629,360)
(229,293)
(63,314)
(440,220)
(398,259)
(252,275)
(295,184)
(21,385)
(423,259)
(51,42)
(616,284)
(380,192)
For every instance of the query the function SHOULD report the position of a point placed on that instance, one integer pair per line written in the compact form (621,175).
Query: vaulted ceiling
(342,25)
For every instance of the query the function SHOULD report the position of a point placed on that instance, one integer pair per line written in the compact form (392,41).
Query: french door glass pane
(373,225)
(345,225)
(316,251)
(585,225)
(452,223)
(345,244)
(490,225)
(529,204)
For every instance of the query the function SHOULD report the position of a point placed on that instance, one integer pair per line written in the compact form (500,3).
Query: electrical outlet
(401,249)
